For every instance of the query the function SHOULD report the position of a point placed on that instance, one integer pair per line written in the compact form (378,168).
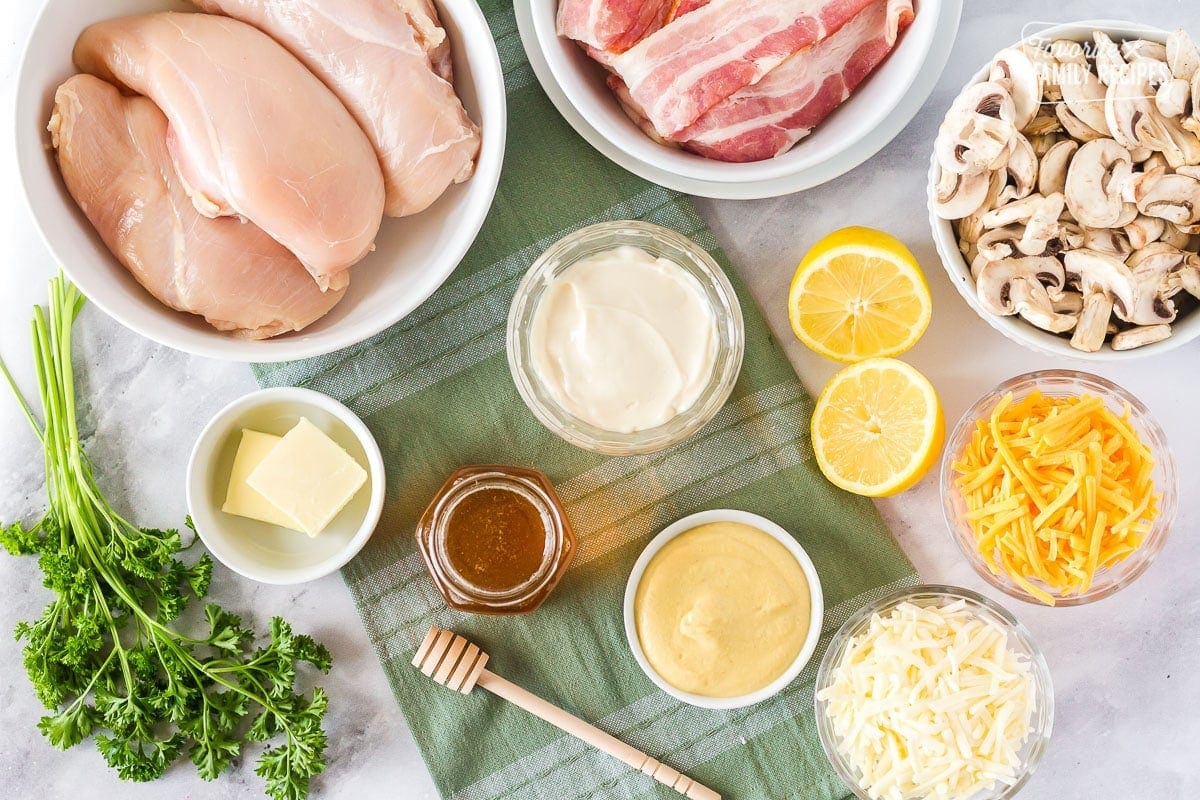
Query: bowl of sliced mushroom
(1065,191)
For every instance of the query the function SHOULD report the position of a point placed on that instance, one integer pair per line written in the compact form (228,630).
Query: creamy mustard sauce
(722,610)
(623,340)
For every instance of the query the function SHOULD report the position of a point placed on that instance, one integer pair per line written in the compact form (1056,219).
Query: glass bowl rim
(728,316)
(1140,560)
(1042,722)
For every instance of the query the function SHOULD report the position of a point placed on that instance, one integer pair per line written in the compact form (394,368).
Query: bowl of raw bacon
(255,180)
(729,92)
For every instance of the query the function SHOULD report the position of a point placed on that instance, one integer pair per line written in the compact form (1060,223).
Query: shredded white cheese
(930,702)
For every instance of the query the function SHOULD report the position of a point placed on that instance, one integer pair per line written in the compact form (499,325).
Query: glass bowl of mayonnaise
(625,338)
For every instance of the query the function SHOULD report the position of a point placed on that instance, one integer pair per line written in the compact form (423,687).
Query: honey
(495,539)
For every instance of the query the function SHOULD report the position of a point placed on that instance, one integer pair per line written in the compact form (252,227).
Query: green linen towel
(436,392)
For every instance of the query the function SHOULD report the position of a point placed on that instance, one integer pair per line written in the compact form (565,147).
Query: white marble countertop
(1125,670)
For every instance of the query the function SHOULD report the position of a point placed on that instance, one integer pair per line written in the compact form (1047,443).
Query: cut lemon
(877,427)
(859,293)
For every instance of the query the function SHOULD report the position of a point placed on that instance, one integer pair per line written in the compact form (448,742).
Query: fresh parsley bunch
(104,658)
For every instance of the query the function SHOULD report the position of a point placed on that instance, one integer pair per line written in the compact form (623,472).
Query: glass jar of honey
(496,539)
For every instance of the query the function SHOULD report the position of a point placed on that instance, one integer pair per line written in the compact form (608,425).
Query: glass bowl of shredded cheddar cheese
(934,693)
(1059,487)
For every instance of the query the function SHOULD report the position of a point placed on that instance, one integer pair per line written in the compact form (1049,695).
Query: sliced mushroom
(1155,162)
(977,129)
(1181,55)
(1144,230)
(1109,61)
(1129,212)
(1140,336)
(1084,95)
(1106,285)
(1052,172)
(1042,225)
(1192,171)
(1092,196)
(1043,142)
(1047,67)
(1068,303)
(1156,279)
(1173,197)
(1024,286)
(1171,99)
(1140,154)
(1134,119)
(1043,124)
(1021,169)
(1171,235)
(1192,124)
(1015,211)
(1068,51)
(1074,125)
(1189,276)
(1132,48)
(1012,69)
(970,227)
(1108,241)
(999,243)
(958,195)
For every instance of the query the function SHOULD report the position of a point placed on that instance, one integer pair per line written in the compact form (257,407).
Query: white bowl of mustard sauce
(723,609)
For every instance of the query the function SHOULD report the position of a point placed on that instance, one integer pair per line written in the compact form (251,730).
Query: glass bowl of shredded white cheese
(934,692)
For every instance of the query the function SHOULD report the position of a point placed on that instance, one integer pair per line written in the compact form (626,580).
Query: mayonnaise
(623,340)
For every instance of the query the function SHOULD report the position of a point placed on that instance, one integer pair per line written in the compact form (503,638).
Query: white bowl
(816,616)
(576,85)
(414,255)
(1018,330)
(269,553)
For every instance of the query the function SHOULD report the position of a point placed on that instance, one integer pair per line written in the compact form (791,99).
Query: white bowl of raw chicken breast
(843,137)
(413,255)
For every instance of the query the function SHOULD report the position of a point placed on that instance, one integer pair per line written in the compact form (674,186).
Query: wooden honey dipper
(458,664)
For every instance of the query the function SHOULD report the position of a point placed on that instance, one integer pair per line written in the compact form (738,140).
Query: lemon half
(859,293)
(877,427)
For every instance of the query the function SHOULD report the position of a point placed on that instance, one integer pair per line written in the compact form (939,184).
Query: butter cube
(308,477)
(243,500)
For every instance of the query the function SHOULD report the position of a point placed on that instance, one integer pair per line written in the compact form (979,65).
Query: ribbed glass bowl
(659,242)
(1019,640)
(1057,383)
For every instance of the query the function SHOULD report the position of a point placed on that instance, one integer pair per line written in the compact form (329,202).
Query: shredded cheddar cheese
(1057,489)
(930,702)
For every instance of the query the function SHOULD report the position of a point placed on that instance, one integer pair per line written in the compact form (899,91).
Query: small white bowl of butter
(625,337)
(285,485)
(723,609)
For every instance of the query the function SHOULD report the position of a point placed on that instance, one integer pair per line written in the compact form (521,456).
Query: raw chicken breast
(252,132)
(423,18)
(369,53)
(113,155)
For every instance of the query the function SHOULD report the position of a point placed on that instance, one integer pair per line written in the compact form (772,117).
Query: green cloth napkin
(436,391)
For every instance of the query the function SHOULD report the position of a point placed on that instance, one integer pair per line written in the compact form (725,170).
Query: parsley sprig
(104,657)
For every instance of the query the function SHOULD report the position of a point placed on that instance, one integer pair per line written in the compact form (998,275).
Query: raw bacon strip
(678,72)
(610,25)
(621,92)
(681,7)
(766,119)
